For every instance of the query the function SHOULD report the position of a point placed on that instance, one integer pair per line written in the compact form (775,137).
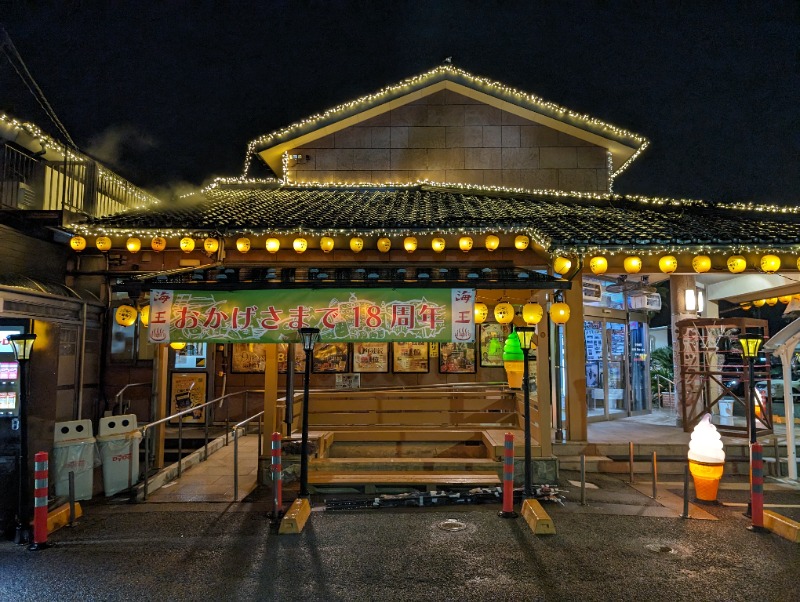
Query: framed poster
(248,357)
(592,374)
(409,357)
(493,337)
(457,358)
(370,357)
(299,358)
(188,390)
(330,357)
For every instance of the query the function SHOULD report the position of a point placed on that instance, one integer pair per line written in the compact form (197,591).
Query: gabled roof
(623,145)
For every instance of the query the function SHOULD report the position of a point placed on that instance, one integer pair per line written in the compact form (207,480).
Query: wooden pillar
(161,378)
(544,397)
(575,351)
(677,287)
(270,418)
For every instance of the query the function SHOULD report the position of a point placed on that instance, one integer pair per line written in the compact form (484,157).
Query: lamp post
(23,347)
(309,336)
(526,335)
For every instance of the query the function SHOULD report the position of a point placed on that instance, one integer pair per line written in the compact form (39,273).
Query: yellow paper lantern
(785,299)
(701,263)
(481,313)
(668,264)
(492,242)
(300,245)
(326,244)
(410,244)
(736,264)
(598,265)
(133,245)
(632,264)
(746,306)
(210,245)
(532,313)
(356,244)
(561,265)
(504,313)
(125,315)
(438,245)
(187,244)
(465,243)
(273,245)
(559,313)
(103,243)
(77,243)
(772,301)
(770,263)
(159,243)
(144,315)
(243,244)
(759,302)
(384,244)
(177,346)
(521,242)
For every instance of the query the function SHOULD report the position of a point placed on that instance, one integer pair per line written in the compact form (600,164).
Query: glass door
(606,368)
(616,347)
(639,367)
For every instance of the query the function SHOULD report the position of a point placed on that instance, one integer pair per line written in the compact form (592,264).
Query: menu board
(594,339)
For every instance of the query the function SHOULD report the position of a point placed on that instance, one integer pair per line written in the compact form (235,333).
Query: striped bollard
(277,481)
(508,478)
(757,487)
(40,501)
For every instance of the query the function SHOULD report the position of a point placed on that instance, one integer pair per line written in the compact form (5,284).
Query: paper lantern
(356,244)
(559,313)
(103,243)
(504,313)
(481,313)
(144,315)
(772,301)
(210,245)
(465,243)
(326,244)
(521,242)
(632,264)
(561,265)
(598,265)
(492,242)
(701,263)
(243,244)
(125,315)
(177,346)
(133,245)
(770,263)
(300,245)
(77,243)
(159,243)
(438,244)
(384,244)
(759,302)
(532,313)
(186,244)
(785,299)
(746,306)
(273,245)
(668,264)
(410,244)
(736,264)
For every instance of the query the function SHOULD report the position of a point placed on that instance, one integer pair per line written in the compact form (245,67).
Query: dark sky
(171,92)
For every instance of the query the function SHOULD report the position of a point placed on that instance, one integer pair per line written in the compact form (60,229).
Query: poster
(299,358)
(457,358)
(188,390)
(330,357)
(409,357)
(493,337)
(370,357)
(248,357)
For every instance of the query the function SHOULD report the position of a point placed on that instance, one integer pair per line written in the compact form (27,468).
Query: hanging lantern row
(125,315)
(769,264)
(532,313)
(771,301)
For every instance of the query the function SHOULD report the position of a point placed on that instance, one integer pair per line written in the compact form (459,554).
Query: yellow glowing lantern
(210,245)
(125,315)
(356,244)
(300,245)
(177,346)
(481,313)
(159,243)
(668,264)
(746,306)
(785,299)
(770,263)
(504,313)
(438,244)
(559,313)
(598,265)
(759,302)
(273,245)
(521,242)
(326,244)
(384,244)
(492,242)
(144,315)
(701,263)
(133,245)
(103,243)
(736,264)
(243,244)
(632,264)
(465,243)
(410,244)
(532,313)
(186,244)
(772,301)
(77,243)
(561,265)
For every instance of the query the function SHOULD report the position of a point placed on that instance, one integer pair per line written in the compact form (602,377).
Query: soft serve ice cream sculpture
(706,459)
(514,360)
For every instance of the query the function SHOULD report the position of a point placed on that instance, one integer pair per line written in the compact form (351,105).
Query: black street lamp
(526,335)
(310,336)
(23,347)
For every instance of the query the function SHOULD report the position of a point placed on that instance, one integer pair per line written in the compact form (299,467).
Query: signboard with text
(251,316)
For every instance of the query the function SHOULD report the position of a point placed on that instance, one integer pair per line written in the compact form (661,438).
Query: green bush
(661,364)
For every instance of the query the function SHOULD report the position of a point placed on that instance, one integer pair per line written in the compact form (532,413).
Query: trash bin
(73,451)
(726,410)
(119,439)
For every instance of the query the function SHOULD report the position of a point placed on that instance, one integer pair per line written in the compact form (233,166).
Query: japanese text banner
(444,315)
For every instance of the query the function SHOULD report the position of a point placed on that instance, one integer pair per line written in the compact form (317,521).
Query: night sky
(169,94)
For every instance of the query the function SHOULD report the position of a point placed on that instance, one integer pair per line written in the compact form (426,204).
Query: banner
(274,316)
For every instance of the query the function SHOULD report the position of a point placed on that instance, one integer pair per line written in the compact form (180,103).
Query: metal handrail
(670,389)
(236,428)
(118,396)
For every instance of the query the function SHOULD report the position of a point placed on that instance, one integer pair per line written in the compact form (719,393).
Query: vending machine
(10,400)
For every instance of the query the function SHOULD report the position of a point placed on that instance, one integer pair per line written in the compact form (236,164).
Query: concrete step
(431,480)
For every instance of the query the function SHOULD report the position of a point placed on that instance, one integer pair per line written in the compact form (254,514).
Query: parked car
(776,387)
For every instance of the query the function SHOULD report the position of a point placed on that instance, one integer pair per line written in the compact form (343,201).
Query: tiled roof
(573,222)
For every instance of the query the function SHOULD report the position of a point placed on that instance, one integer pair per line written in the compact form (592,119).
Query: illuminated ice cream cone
(706,459)
(514,360)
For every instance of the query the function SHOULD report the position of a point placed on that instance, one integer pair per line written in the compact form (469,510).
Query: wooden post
(575,351)
(161,362)
(270,418)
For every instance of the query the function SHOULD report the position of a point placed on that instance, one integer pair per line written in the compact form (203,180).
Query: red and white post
(40,488)
(508,478)
(757,486)
(277,476)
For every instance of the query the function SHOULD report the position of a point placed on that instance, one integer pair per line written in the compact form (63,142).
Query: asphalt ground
(121,551)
